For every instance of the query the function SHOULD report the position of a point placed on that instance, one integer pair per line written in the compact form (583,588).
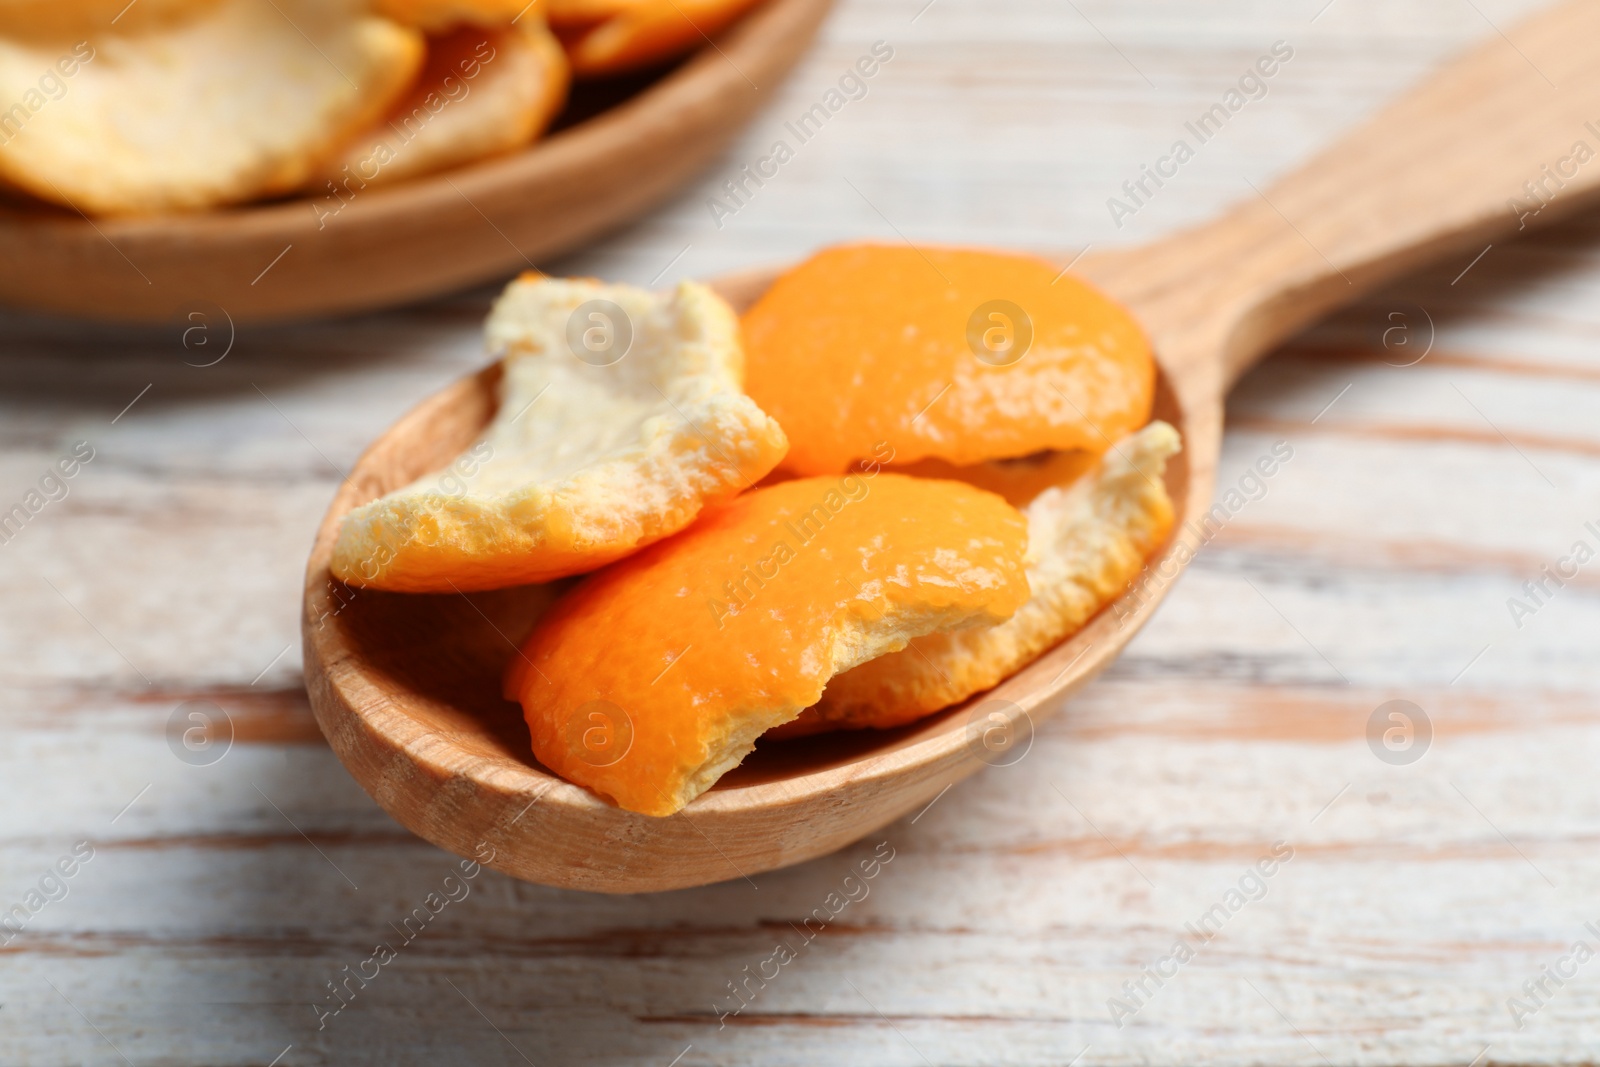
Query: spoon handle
(1501,139)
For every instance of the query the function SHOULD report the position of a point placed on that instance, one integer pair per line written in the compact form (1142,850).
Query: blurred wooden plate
(417,238)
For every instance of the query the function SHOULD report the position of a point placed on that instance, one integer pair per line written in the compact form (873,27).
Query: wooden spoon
(406,687)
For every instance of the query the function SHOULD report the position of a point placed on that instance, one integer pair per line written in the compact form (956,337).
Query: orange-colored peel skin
(697,644)
(570,15)
(436,16)
(862,344)
(1089,539)
(1018,480)
(647,33)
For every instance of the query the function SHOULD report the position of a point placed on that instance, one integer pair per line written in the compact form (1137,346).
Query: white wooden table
(1419,899)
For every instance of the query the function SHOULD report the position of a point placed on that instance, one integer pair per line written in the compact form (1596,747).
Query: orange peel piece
(620,418)
(567,15)
(654,677)
(645,34)
(945,353)
(483,92)
(239,100)
(1088,541)
(439,15)
(1019,480)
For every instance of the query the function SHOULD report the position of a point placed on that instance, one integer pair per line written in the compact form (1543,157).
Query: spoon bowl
(406,687)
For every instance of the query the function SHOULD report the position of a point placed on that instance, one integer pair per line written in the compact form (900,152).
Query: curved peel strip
(483,92)
(952,354)
(1019,480)
(587,459)
(650,32)
(242,101)
(566,15)
(1089,540)
(438,15)
(654,677)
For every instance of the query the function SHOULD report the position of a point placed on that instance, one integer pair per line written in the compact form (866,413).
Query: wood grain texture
(1415,905)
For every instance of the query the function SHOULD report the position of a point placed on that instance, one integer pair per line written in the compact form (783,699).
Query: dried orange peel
(1087,540)
(654,677)
(953,354)
(570,15)
(621,417)
(438,15)
(233,101)
(635,35)
(1019,480)
(483,92)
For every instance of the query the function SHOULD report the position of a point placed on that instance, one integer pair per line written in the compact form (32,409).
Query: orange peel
(483,92)
(234,101)
(621,417)
(568,15)
(651,679)
(1019,480)
(439,15)
(643,34)
(1088,540)
(945,353)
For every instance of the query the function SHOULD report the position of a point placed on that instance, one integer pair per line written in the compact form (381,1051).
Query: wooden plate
(419,238)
